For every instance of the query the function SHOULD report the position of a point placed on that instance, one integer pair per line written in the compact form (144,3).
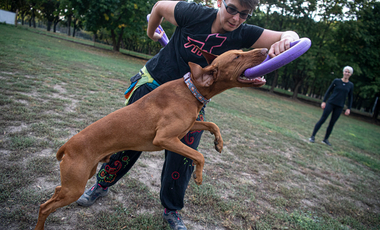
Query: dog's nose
(264,51)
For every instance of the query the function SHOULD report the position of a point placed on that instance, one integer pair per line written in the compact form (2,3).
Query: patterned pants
(176,172)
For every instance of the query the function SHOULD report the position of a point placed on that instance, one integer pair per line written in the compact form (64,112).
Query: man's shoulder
(193,12)
(337,81)
(192,6)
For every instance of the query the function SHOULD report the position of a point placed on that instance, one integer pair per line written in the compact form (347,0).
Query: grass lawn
(267,177)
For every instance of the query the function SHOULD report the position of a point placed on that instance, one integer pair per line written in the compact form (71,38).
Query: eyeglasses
(233,11)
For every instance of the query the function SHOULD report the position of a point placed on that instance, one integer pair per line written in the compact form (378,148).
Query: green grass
(87,42)
(268,175)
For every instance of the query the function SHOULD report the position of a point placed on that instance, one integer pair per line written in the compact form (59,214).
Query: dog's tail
(61,152)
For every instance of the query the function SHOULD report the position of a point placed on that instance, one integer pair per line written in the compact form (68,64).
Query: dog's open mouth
(256,81)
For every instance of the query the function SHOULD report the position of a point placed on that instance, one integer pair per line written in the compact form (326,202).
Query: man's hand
(279,47)
(161,10)
(158,36)
(283,44)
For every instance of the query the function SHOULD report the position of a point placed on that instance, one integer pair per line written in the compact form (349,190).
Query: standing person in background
(340,89)
(213,30)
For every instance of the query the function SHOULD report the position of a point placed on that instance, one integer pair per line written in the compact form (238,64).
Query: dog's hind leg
(45,211)
(73,181)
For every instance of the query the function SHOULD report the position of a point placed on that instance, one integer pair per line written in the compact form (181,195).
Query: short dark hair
(251,4)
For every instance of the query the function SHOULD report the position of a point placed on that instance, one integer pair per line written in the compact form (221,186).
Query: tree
(116,16)
(50,11)
(359,46)
(21,7)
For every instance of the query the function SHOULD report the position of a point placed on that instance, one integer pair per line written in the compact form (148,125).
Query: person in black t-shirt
(213,30)
(339,89)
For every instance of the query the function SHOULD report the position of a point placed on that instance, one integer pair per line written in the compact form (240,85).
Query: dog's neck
(194,90)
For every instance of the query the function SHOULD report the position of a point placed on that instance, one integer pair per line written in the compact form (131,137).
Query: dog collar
(194,90)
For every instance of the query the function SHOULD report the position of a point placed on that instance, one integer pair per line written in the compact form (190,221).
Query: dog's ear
(204,77)
(209,56)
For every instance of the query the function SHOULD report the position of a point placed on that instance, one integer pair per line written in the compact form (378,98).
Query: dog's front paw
(218,145)
(197,179)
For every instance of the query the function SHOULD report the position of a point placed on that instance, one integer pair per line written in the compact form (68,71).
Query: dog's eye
(237,56)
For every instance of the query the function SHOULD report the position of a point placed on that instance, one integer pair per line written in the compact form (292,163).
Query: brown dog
(157,121)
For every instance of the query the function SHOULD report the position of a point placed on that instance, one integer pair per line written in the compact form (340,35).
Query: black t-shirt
(194,29)
(340,90)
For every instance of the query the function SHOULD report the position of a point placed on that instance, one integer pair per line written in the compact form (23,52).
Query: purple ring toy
(297,48)
(164,40)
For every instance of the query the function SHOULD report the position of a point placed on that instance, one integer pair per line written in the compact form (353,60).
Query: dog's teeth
(252,79)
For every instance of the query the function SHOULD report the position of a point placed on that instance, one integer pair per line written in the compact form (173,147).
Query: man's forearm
(290,35)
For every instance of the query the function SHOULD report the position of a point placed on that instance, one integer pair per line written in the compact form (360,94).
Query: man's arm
(327,94)
(162,9)
(329,90)
(350,99)
(277,42)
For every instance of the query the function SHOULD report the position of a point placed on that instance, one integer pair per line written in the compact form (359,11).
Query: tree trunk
(75,28)
(122,45)
(120,38)
(33,20)
(55,26)
(274,83)
(113,37)
(295,92)
(22,18)
(116,43)
(49,25)
(68,25)
(297,79)
(16,18)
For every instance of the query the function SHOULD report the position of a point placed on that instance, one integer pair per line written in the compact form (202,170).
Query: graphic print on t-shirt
(212,41)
